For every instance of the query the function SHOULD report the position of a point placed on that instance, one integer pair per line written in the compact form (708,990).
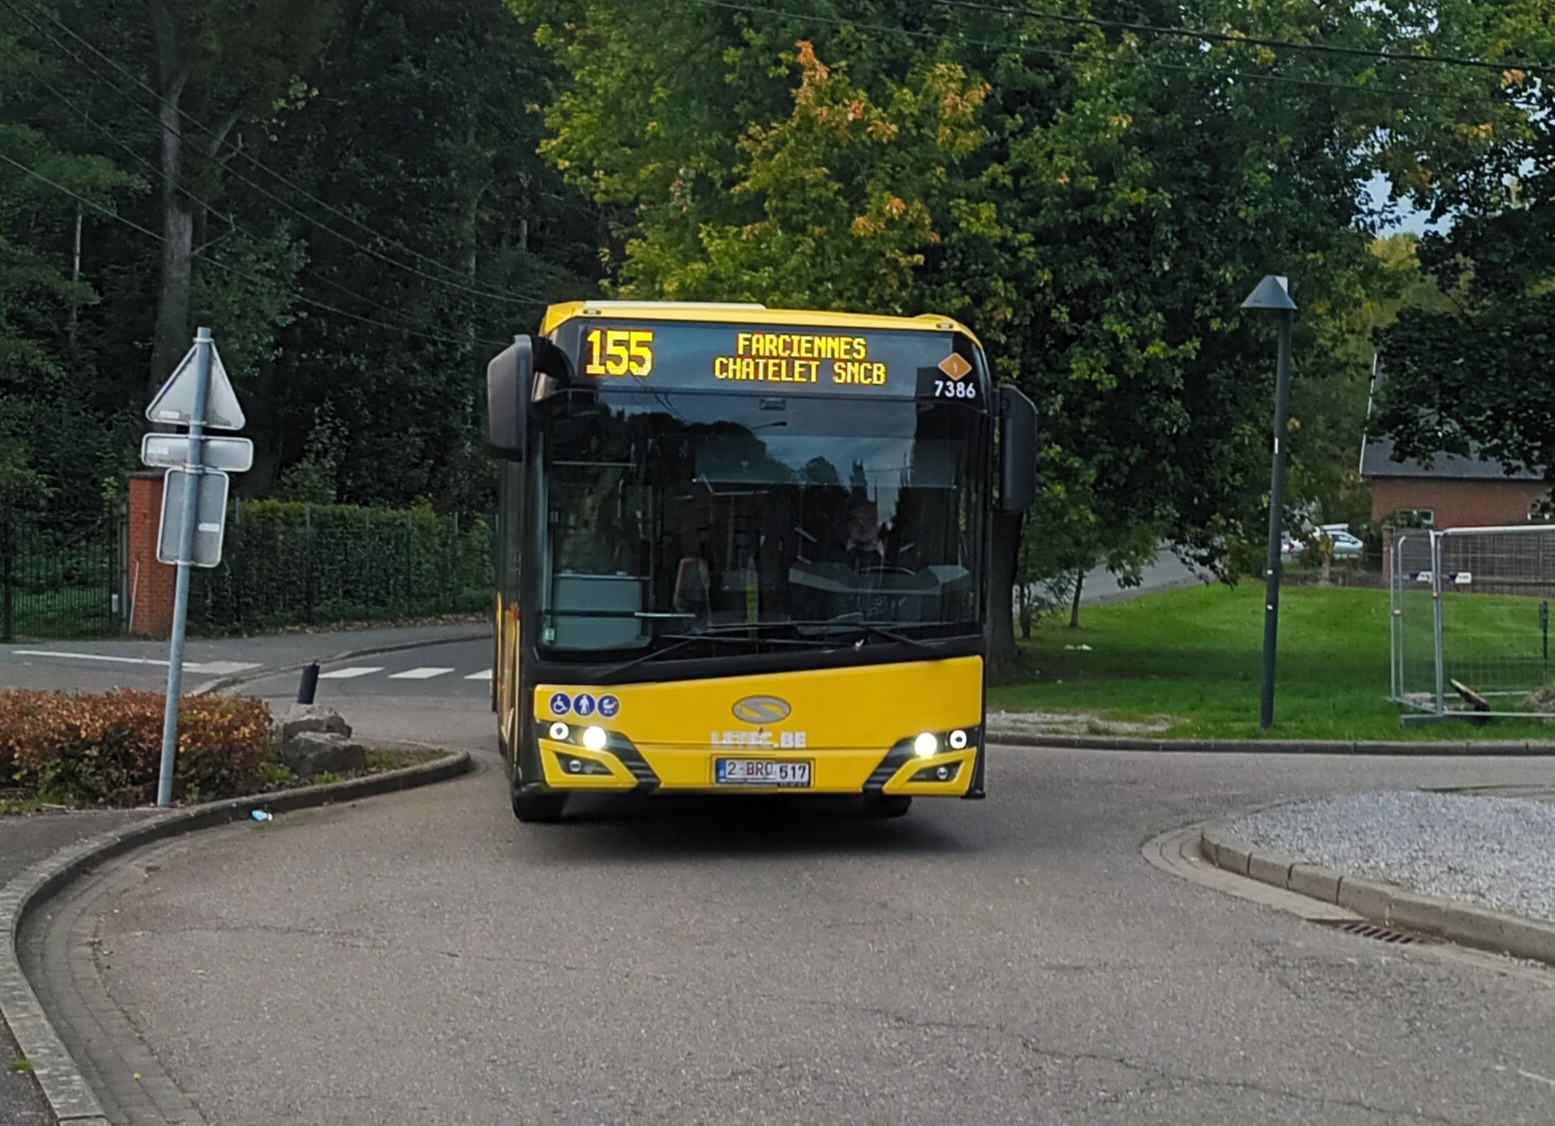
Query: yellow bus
(745,550)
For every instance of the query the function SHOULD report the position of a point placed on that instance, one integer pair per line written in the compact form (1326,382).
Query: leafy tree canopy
(1094,199)
(1474,377)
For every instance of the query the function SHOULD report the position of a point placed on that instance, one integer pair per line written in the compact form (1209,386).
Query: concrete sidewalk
(24,841)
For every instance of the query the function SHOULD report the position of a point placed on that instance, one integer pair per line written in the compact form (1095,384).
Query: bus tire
(886,805)
(535,806)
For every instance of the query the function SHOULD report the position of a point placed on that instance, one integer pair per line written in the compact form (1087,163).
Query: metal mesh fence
(1471,619)
(296,564)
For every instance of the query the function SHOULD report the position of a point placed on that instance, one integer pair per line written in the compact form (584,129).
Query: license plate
(760,772)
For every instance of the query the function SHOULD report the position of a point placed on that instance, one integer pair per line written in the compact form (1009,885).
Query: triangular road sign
(175,402)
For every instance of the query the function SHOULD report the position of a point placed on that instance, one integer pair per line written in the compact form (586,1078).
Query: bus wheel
(886,805)
(531,805)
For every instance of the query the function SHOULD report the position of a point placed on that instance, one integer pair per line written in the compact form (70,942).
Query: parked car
(1346,546)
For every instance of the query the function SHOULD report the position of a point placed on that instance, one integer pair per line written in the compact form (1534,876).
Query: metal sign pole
(175,657)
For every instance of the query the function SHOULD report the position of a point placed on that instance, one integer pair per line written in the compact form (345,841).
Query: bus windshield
(764,521)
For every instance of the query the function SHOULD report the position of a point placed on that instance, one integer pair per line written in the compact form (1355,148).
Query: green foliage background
(366,199)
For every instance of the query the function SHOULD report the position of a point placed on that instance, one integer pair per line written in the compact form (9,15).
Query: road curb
(1387,904)
(348,655)
(1270,746)
(70,1099)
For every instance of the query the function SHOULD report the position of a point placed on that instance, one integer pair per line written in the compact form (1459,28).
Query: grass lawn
(1197,656)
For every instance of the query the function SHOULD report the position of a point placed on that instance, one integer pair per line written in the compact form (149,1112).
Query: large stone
(312,717)
(317,752)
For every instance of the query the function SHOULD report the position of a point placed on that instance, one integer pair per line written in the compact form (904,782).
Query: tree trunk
(172,332)
(1074,603)
(172,337)
(1003,657)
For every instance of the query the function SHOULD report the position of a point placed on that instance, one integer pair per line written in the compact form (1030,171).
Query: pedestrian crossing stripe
(428,672)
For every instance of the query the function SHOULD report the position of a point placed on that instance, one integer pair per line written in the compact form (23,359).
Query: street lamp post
(1274,293)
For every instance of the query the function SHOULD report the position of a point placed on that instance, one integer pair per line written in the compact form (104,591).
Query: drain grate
(1362,929)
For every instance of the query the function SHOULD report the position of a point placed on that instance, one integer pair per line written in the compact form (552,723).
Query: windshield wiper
(730,634)
(736,632)
(869,629)
(829,625)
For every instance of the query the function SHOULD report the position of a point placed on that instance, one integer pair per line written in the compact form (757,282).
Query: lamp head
(1272,293)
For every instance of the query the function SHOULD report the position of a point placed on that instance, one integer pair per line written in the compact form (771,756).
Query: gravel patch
(1075,723)
(1498,852)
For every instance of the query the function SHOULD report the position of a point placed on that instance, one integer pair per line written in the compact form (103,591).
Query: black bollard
(310,683)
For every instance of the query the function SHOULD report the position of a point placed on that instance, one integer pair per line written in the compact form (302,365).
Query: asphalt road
(424,959)
(369,659)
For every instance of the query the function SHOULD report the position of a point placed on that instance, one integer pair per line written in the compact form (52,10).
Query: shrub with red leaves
(107,749)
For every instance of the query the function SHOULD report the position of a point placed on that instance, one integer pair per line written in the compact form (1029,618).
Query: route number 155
(619,351)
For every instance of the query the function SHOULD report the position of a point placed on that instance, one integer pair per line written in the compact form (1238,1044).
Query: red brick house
(1455,492)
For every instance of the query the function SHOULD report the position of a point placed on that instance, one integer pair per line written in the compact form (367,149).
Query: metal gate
(60,578)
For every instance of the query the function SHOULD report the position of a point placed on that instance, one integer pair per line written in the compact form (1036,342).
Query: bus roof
(730,313)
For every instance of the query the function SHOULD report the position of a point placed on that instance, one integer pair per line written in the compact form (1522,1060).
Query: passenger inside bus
(865,549)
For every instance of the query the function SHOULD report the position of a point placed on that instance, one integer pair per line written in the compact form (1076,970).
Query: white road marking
(426,673)
(220,668)
(350,673)
(484,674)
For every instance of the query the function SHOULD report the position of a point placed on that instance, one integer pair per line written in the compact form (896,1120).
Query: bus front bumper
(622,766)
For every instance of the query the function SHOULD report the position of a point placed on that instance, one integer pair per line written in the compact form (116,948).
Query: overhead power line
(1238,38)
(116,217)
(489,294)
(1085,56)
(158,174)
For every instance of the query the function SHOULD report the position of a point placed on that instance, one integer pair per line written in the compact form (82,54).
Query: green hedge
(287,563)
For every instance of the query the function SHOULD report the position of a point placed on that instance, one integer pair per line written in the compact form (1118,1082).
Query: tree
(1126,189)
(47,195)
(431,233)
(1472,376)
(368,221)
(1475,380)
(218,64)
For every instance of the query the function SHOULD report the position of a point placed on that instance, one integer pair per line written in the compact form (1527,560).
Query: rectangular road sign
(210,516)
(231,455)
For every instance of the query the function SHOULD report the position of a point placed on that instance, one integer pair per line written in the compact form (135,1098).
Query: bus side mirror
(1018,450)
(509,385)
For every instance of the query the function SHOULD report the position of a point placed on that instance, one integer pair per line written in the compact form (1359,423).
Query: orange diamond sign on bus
(955,365)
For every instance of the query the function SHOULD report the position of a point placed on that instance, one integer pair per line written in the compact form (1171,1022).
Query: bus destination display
(889,363)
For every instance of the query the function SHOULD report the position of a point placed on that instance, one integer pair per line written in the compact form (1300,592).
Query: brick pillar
(151,583)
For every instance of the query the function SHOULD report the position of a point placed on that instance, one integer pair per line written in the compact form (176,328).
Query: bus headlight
(559,732)
(957,739)
(925,745)
(594,738)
